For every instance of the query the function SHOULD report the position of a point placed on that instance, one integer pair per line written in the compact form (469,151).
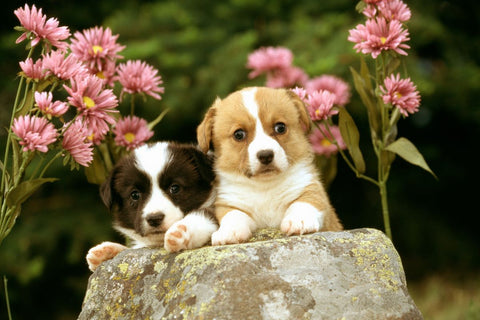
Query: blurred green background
(200,49)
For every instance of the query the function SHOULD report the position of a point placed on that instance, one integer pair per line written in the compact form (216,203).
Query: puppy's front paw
(103,252)
(227,235)
(302,218)
(177,237)
(235,227)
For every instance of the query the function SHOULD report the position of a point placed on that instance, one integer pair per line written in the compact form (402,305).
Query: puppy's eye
(280,127)
(239,134)
(135,195)
(174,189)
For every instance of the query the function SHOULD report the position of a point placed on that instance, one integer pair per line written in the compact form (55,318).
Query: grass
(447,296)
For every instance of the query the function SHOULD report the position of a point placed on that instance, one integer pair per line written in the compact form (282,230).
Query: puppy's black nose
(265,156)
(155,219)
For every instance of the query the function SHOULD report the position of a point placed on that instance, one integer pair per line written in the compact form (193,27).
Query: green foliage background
(200,49)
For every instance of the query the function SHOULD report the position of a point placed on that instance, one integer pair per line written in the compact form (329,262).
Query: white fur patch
(152,160)
(266,199)
(235,227)
(261,141)
(193,231)
(302,217)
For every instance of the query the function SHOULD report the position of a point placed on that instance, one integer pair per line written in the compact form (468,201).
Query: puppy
(264,166)
(160,195)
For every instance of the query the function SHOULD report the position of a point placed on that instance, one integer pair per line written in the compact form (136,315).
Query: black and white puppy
(160,195)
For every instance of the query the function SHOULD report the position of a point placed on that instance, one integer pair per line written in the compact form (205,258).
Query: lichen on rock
(353,274)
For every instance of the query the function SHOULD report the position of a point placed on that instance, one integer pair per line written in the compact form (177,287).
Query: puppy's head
(256,131)
(156,186)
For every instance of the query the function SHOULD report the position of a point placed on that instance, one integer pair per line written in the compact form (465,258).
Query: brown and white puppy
(264,166)
(160,195)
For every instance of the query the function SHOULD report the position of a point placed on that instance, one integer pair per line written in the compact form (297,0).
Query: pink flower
(401,93)
(320,104)
(76,143)
(63,67)
(394,10)
(332,84)
(35,133)
(139,77)
(36,27)
(300,92)
(132,132)
(378,35)
(33,71)
(95,46)
(269,59)
(89,96)
(95,104)
(49,108)
(322,144)
(286,77)
(107,73)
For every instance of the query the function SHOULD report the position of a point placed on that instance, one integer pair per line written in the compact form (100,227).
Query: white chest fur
(265,199)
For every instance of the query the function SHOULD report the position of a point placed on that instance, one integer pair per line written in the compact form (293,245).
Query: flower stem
(6,297)
(386,215)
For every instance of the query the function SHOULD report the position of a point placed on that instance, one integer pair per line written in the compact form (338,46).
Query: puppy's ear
(302,110)
(204,164)
(205,129)
(106,191)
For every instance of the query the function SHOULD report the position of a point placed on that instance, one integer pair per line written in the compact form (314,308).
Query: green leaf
(24,190)
(407,150)
(351,137)
(96,172)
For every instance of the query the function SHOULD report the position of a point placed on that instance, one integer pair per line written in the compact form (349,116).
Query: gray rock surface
(353,274)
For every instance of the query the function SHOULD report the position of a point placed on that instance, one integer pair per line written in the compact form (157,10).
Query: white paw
(177,237)
(103,252)
(302,218)
(231,235)
(235,227)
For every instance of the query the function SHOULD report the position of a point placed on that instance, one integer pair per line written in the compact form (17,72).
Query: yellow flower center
(96,49)
(325,143)
(398,95)
(90,137)
(89,103)
(383,40)
(100,75)
(129,137)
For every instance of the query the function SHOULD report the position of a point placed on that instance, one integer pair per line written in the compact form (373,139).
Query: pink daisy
(286,77)
(76,143)
(269,59)
(300,92)
(322,144)
(335,85)
(107,73)
(31,70)
(139,77)
(49,108)
(132,132)
(63,67)
(35,133)
(94,46)
(320,104)
(95,104)
(401,93)
(36,27)
(394,10)
(378,35)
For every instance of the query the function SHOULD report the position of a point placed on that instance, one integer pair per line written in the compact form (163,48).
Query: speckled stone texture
(353,274)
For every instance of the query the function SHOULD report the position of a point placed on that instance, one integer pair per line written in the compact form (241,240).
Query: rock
(353,274)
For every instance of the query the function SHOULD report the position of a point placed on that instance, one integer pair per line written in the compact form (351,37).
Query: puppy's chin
(264,172)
